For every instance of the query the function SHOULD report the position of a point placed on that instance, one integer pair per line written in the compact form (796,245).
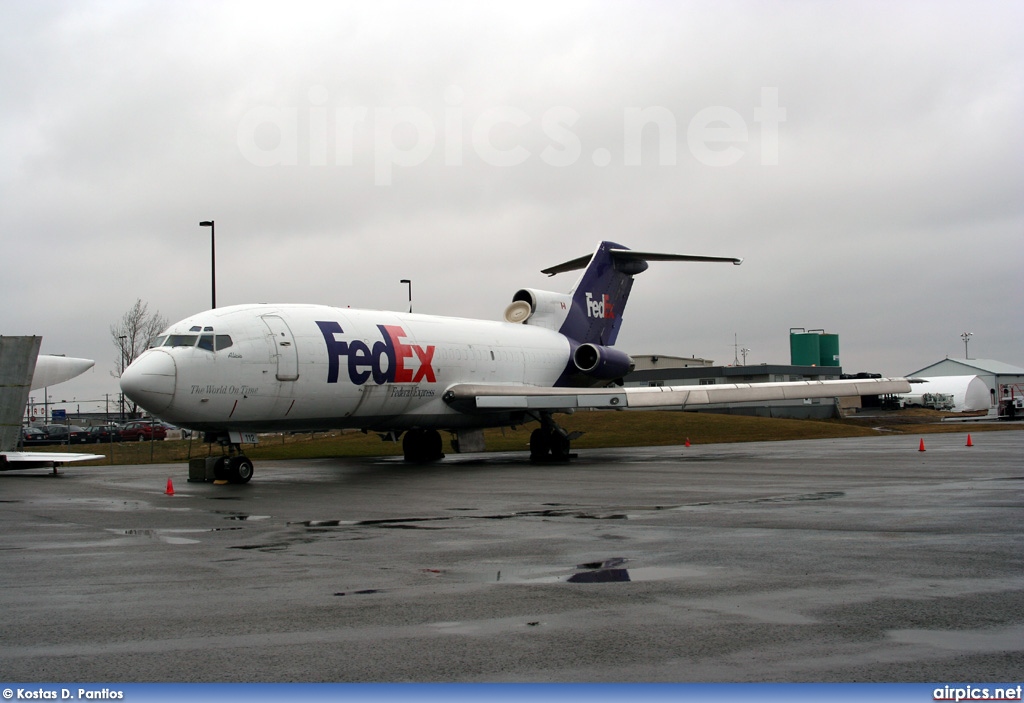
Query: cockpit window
(180,340)
(206,340)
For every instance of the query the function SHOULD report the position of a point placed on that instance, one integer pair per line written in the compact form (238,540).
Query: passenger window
(206,342)
(223,341)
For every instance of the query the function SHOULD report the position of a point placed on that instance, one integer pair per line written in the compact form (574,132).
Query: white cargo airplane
(235,371)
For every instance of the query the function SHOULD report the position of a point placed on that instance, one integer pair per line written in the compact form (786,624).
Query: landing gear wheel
(240,469)
(540,444)
(549,443)
(422,446)
(559,446)
(220,469)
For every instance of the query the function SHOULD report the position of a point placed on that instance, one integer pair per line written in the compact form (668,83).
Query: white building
(997,376)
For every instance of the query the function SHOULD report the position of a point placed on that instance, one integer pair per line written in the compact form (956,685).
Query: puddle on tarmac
(608,571)
(362,592)
(411,523)
(999,639)
(169,536)
(800,498)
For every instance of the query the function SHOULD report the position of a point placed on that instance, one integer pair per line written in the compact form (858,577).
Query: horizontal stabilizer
(630,255)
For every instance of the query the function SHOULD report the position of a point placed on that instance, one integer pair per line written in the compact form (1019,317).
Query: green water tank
(828,345)
(804,348)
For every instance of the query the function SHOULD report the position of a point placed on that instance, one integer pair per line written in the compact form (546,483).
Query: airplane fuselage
(250,368)
(262,367)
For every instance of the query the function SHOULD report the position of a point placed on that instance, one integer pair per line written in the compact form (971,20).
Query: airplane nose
(149,381)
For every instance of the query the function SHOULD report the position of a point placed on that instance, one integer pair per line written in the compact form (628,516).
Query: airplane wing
(484,398)
(10,461)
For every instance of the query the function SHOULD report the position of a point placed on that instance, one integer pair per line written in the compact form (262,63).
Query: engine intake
(538,307)
(602,363)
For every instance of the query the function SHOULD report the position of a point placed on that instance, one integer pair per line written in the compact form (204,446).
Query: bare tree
(133,333)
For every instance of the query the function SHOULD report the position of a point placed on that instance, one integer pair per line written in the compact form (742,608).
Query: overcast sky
(866,159)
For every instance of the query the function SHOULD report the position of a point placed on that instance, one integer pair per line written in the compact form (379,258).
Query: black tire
(412,445)
(433,446)
(540,444)
(240,469)
(422,446)
(220,469)
(559,446)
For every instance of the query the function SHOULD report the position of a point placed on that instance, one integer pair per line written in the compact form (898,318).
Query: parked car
(103,433)
(33,436)
(175,432)
(142,430)
(72,434)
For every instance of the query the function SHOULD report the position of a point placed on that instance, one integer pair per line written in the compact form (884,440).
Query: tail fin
(599,296)
(17,364)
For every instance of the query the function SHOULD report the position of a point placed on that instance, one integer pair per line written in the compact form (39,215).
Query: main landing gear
(549,442)
(422,446)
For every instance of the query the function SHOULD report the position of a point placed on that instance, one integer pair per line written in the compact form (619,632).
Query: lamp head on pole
(409,283)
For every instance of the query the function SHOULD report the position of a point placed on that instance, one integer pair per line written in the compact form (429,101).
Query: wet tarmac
(826,560)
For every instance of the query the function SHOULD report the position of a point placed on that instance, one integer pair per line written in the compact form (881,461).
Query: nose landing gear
(237,468)
(233,466)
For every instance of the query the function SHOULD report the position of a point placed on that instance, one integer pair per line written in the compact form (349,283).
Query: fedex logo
(385,362)
(602,308)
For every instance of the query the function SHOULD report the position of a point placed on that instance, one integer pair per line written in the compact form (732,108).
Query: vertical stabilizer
(17,366)
(599,296)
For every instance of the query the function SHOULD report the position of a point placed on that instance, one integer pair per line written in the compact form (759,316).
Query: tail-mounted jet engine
(602,363)
(538,307)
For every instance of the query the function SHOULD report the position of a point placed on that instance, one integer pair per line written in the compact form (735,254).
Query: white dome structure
(969,392)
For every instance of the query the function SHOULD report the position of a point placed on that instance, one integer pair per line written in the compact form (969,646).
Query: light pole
(124,352)
(409,283)
(966,336)
(744,351)
(213,260)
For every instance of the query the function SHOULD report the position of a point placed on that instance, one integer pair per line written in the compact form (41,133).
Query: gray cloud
(892,217)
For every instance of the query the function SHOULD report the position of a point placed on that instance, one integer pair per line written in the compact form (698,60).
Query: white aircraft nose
(149,381)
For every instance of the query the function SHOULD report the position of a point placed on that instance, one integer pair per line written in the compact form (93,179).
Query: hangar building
(1000,378)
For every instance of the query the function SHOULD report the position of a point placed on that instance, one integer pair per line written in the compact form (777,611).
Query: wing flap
(470,397)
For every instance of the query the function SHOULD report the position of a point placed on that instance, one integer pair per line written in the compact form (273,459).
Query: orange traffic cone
(969,442)
(170,488)
(921,448)
(687,442)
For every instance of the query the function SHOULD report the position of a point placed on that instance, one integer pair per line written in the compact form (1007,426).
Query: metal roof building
(1000,377)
